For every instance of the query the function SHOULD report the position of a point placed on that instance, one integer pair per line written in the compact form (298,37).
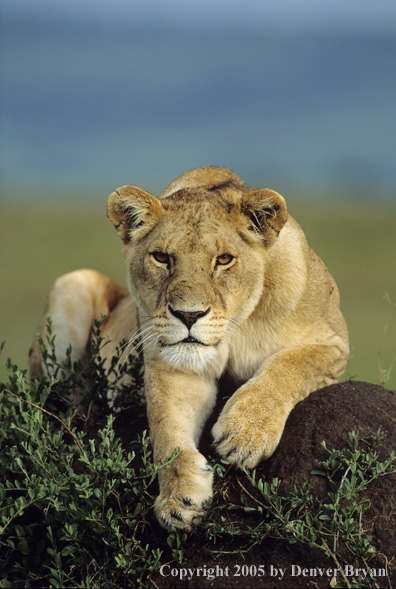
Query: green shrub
(72,507)
(76,506)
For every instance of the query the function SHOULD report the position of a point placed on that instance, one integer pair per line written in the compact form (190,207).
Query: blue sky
(111,92)
(355,14)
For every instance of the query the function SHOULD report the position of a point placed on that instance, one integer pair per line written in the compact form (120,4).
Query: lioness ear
(267,212)
(133,211)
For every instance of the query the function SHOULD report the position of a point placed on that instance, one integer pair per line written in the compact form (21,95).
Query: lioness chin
(221,280)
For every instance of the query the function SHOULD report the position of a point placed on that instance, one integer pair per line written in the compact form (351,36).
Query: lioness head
(196,263)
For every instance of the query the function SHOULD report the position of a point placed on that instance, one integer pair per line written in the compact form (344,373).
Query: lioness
(221,281)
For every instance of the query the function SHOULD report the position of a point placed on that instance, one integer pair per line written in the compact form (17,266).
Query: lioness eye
(161,257)
(224,259)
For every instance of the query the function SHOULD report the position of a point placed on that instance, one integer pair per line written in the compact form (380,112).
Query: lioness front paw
(185,493)
(244,434)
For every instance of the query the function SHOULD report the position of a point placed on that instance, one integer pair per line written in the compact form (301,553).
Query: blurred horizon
(296,96)
(108,92)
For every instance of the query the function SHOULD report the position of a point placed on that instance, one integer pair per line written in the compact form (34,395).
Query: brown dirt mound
(329,414)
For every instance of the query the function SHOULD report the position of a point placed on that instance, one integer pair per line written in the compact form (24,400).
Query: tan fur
(224,282)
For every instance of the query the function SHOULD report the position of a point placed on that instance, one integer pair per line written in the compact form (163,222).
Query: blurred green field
(40,241)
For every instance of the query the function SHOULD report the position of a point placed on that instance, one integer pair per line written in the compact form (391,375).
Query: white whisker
(119,348)
(149,339)
(139,333)
(123,358)
(232,332)
(149,336)
(130,346)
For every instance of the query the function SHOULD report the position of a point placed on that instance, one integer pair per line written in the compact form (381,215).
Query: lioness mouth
(191,340)
(187,340)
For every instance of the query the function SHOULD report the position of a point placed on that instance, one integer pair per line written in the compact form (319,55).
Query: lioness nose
(188,317)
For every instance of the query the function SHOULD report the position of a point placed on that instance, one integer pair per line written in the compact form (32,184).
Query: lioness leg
(252,421)
(177,407)
(74,302)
